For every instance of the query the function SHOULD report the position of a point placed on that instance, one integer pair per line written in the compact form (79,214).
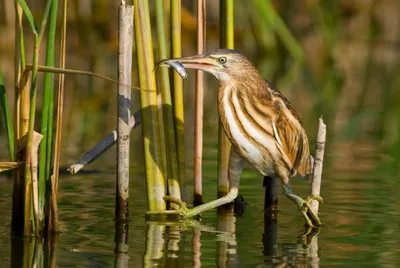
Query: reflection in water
(154,245)
(31,252)
(121,243)
(226,246)
(165,246)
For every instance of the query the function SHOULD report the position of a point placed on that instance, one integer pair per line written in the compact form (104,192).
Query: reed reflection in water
(166,243)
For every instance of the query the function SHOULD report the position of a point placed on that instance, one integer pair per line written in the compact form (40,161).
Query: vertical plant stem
(149,105)
(19,66)
(17,206)
(178,92)
(198,106)
(125,39)
(53,225)
(169,130)
(47,112)
(35,185)
(7,117)
(28,156)
(318,163)
(226,41)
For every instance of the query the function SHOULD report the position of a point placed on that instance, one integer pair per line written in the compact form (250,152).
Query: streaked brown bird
(261,124)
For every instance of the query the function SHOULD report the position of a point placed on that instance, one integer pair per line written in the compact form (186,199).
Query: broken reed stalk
(125,39)
(47,112)
(178,92)
(318,163)
(149,105)
(226,41)
(37,137)
(53,224)
(103,145)
(198,107)
(168,117)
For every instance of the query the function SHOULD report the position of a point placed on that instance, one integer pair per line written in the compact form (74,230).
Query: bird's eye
(222,60)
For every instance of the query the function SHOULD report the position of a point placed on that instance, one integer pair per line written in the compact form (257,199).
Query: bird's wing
(290,134)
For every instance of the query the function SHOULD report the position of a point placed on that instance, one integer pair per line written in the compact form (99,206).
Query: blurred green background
(336,58)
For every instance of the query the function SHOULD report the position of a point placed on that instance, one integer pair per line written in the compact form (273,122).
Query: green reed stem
(7,117)
(178,92)
(149,106)
(47,111)
(226,41)
(28,184)
(169,128)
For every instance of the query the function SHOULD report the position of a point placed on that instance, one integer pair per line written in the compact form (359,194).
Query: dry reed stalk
(125,39)
(37,137)
(19,67)
(175,7)
(199,100)
(24,105)
(226,41)
(318,164)
(103,145)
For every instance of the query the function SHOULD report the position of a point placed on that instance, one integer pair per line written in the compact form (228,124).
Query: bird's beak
(198,62)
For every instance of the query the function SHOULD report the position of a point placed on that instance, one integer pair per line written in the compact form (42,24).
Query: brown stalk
(199,100)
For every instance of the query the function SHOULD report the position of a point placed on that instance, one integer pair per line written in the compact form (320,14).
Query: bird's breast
(248,134)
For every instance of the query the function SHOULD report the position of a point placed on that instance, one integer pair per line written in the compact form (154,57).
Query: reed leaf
(47,110)
(7,117)
(28,15)
(4,166)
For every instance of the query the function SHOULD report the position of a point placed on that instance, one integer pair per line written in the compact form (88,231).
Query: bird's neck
(253,86)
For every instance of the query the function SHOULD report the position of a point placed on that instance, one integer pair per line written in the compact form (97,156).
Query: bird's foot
(183,211)
(309,233)
(305,209)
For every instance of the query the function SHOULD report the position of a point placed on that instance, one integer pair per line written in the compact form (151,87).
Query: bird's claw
(183,209)
(305,208)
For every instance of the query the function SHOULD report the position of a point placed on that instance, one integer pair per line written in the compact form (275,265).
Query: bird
(262,125)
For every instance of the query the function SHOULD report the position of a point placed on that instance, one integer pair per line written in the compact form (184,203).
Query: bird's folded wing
(292,137)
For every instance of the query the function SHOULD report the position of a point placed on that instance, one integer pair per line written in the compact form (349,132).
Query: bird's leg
(234,172)
(304,205)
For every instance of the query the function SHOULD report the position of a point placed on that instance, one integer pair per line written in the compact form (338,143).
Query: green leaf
(28,15)
(7,117)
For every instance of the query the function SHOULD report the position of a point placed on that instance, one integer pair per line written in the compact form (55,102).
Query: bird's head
(225,64)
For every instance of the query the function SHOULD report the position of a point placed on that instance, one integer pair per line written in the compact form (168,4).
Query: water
(361,217)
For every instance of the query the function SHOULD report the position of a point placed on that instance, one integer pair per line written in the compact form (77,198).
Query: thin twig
(318,163)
